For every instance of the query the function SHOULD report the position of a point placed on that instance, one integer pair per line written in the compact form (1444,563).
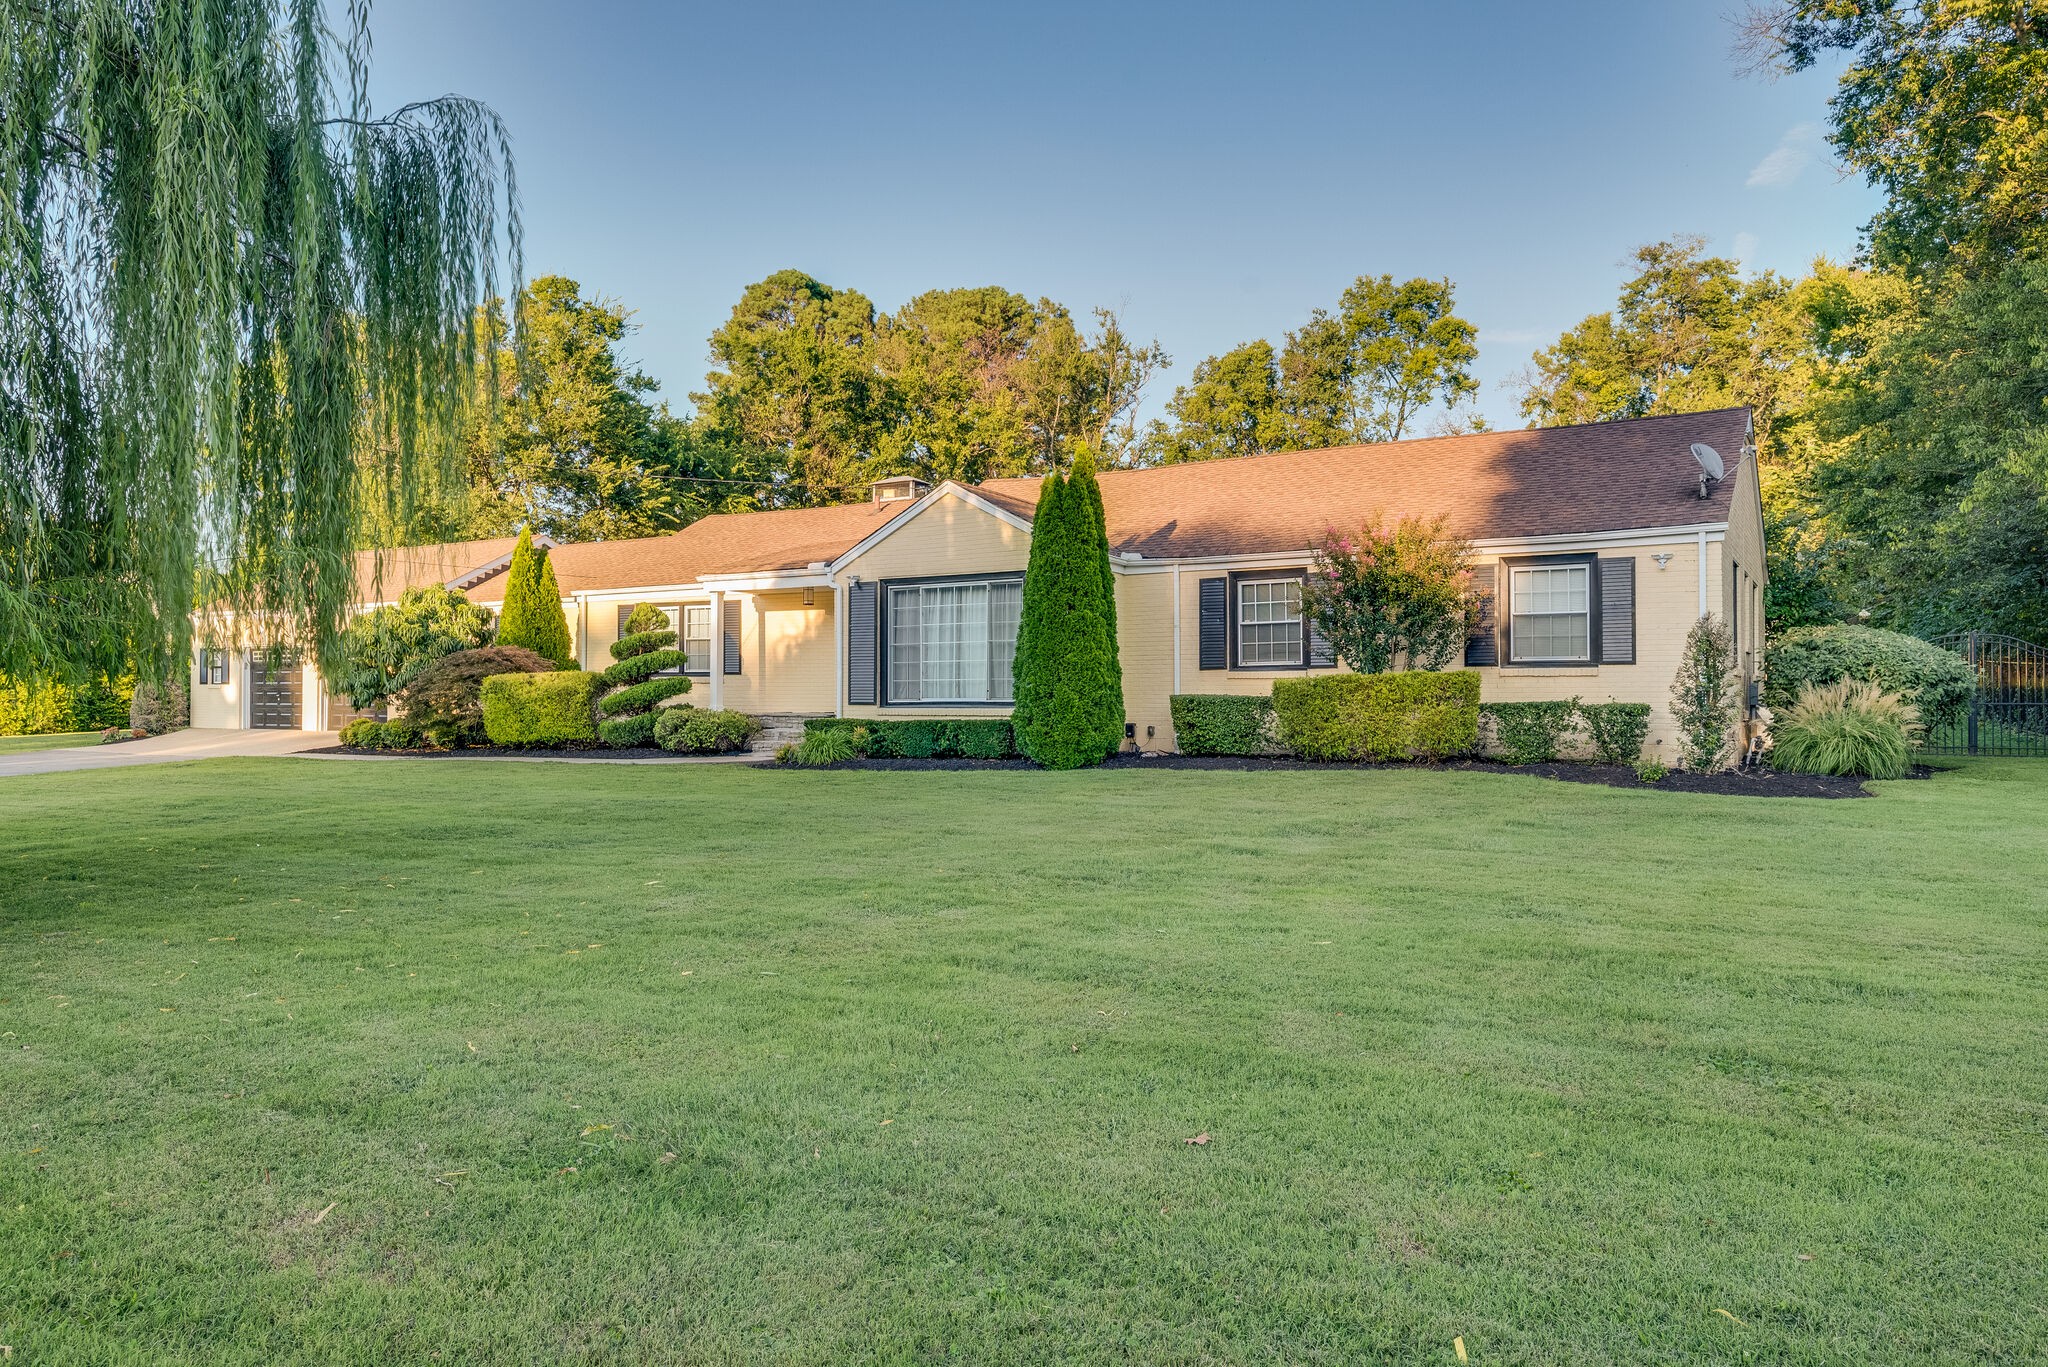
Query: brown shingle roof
(724,543)
(1552,481)
(382,575)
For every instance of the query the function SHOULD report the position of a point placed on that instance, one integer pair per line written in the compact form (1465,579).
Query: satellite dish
(1709,459)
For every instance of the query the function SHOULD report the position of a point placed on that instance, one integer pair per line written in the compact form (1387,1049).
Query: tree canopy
(221,278)
(1389,354)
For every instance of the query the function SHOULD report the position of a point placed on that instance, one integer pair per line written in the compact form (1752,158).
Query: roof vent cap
(898,488)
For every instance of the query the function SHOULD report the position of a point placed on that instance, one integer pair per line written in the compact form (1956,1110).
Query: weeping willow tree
(228,292)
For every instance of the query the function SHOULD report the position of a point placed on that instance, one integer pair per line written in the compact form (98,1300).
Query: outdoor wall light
(1663,559)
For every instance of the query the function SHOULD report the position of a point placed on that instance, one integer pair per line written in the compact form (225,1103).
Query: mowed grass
(403,1062)
(60,740)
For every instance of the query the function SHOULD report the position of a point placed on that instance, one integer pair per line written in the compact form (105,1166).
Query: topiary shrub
(1617,729)
(1846,727)
(1529,732)
(1415,714)
(445,700)
(688,731)
(1937,682)
(637,677)
(1225,724)
(550,710)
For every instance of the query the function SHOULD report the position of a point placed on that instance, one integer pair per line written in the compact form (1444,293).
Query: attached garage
(276,690)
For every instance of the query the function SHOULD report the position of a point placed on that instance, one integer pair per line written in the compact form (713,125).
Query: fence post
(1976,687)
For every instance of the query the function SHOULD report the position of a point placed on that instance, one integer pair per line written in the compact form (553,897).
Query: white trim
(1648,536)
(765,581)
(917,509)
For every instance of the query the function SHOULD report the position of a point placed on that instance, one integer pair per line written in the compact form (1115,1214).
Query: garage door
(274,693)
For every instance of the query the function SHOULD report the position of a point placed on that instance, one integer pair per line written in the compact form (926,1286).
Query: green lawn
(15,745)
(399,1062)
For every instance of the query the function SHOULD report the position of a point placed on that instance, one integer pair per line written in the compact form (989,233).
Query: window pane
(696,638)
(906,645)
(1269,622)
(953,642)
(1552,613)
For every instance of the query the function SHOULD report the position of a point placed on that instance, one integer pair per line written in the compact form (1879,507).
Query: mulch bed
(1750,783)
(1747,783)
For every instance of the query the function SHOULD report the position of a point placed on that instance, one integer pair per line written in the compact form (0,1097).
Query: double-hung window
(213,666)
(1269,630)
(1551,613)
(695,634)
(953,643)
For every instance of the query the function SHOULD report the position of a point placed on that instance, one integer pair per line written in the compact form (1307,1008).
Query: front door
(274,692)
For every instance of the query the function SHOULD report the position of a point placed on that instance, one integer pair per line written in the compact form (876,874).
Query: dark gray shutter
(1215,626)
(1617,610)
(1481,646)
(731,627)
(625,611)
(860,643)
(1321,654)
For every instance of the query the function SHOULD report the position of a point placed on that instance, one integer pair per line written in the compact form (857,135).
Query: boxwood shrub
(1937,682)
(1530,732)
(692,731)
(553,709)
(1414,714)
(1616,729)
(1225,724)
(922,738)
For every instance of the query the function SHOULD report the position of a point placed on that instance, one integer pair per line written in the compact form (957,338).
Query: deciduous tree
(218,282)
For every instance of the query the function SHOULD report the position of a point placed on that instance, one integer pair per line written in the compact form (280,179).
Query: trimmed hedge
(627,733)
(689,731)
(1616,729)
(557,708)
(367,733)
(1414,714)
(922,738)
(1937,682)
(1225,724)
(41,709)
(1530,732)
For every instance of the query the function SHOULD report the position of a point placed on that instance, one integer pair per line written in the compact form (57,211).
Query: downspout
(1703,572)
(1176,626)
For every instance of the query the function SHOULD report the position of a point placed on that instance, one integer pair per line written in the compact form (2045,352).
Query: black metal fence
(2009,711)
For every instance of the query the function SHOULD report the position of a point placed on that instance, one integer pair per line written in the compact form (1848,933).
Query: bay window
(952,642)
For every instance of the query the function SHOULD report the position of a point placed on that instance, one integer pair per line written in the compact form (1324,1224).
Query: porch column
(717,674)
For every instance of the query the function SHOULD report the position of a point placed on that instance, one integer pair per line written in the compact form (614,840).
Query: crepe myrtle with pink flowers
(1391,599)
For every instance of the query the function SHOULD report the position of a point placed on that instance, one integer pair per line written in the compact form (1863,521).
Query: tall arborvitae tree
(532,615)
(218,284)
(1083,479)
(1069,708)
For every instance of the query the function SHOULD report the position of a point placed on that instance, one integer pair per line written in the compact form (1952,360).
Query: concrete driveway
(172,749)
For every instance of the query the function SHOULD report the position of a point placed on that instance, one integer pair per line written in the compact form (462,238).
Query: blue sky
(1212,172)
